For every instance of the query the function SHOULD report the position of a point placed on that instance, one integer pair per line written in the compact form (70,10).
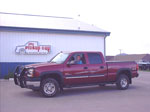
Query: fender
(125,69)
(53,72)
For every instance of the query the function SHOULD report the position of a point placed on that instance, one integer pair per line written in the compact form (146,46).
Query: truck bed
(113,67)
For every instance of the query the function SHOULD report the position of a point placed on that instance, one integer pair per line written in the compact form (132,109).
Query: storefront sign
(32,47)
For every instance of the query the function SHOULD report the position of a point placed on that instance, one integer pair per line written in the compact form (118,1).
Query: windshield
(60,58)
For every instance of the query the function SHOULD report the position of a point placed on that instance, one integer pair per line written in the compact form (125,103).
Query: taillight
(137,67)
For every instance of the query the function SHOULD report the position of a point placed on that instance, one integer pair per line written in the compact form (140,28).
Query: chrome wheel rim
(49,88)
(124,82)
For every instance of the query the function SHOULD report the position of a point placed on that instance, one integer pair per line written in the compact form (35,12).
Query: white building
(26,39)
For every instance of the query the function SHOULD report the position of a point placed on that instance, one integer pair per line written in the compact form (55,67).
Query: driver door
(76,73)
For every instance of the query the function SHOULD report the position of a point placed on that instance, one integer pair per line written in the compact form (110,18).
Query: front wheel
(122,82)
(49,87)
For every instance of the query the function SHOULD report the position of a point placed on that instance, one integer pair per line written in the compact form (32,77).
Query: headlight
(30,72)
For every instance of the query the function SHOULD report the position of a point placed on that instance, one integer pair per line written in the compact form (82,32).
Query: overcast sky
(127,20)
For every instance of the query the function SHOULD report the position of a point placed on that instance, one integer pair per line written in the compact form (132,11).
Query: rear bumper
(137,75)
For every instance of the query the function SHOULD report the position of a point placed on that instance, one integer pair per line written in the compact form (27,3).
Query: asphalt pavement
(84,99)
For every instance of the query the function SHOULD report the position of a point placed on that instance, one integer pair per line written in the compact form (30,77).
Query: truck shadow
(93,90)
(86,90)
(81,91)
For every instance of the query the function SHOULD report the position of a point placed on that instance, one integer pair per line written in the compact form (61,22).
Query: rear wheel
(49,87)
(122,82)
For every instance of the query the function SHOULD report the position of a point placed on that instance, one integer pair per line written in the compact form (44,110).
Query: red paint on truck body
(75,69)
(86,73)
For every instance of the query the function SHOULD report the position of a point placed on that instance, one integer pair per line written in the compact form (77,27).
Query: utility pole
(120,51)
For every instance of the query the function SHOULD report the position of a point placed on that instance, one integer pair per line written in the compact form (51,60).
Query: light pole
(120,51)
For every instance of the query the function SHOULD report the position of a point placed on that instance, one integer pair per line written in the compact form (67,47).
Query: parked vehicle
(72,69)
(144,65)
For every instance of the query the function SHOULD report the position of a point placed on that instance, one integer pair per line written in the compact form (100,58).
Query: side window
(77,58)
(94,58)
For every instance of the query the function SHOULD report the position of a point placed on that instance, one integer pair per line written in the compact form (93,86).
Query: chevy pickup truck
(72,69)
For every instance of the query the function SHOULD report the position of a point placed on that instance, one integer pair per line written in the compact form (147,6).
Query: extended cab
(71,69)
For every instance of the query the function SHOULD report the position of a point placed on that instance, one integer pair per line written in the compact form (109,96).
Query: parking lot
(85,99)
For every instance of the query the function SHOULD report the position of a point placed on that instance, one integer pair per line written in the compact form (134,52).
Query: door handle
(85,67)
(101,67)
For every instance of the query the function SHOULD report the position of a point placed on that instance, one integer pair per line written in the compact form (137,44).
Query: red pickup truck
(71,69)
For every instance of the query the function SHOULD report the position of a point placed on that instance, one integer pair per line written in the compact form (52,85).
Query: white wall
(59,42)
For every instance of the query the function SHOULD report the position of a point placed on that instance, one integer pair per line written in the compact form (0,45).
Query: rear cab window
(94,58)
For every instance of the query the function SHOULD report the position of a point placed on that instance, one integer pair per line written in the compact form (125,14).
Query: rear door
(97,68)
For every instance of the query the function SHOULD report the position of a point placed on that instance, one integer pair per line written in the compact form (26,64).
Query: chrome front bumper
(27,83)
(32,84)
(23,81)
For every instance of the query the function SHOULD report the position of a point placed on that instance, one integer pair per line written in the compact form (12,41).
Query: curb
(11,79)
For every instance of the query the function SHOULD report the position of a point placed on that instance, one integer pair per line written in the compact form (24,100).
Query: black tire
(49,87)
(122,82)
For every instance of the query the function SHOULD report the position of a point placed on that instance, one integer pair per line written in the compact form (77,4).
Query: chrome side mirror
(70,63)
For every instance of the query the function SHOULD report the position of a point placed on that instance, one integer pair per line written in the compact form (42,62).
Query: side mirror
(69,63)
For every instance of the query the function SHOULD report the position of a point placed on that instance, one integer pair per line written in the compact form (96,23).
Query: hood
(40,65)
